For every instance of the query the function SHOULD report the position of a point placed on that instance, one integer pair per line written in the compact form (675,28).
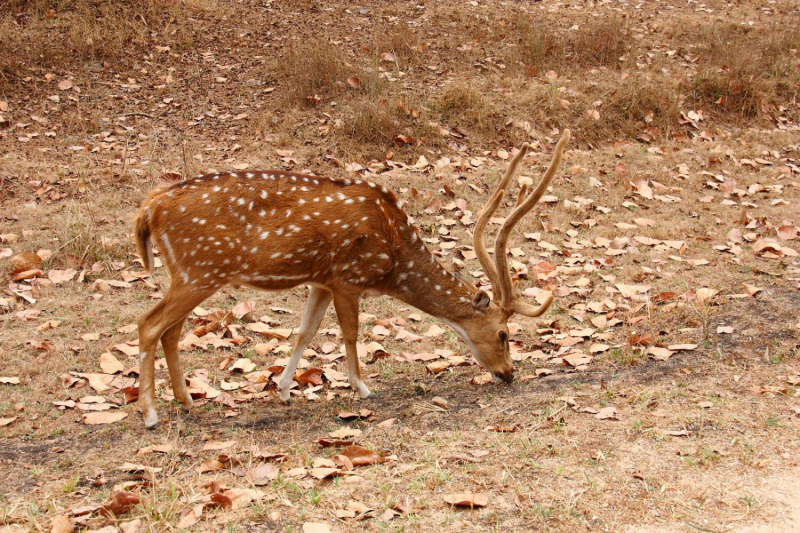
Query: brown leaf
(323,472)
(502,429)
(263,474)
(220,500)
(210,465)
(644,339)
(787,232)
(243,308)
(120,504)
(312,376)
(664,296)
(25,261)
(752,290)
(190,517)
(61,524)
(680,347)
(103,417)
(480,379)
(438,366)
(110,364)
(607,413)
(659,354)
(61,276)
(467,499)
(214,445)
(361,456)
(131,394)
(345,432)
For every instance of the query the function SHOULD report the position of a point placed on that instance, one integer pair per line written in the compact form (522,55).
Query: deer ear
(480,301)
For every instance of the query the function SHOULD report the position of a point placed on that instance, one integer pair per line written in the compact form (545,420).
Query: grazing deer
(341,237)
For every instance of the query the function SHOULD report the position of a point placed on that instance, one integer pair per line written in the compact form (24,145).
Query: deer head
(486,330)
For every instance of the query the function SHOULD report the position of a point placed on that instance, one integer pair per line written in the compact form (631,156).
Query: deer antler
(509,298)
(487,212)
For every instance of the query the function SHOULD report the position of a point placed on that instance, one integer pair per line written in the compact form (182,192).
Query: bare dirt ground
(659,393)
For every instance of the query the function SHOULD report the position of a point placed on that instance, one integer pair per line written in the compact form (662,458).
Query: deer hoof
(150,420)
(187,406)
(370,396)
(285,396)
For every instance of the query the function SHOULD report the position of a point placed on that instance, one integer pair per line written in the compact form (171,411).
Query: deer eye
(503,337)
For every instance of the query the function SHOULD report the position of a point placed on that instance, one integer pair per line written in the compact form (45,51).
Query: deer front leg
(347,312)
(318,301)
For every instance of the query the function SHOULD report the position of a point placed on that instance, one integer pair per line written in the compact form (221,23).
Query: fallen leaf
(467,499)
(243,308)
(361,456)
(263,474)
(110,364)
(61,276)
(120,504)
(103,417)
(438,366)
(607,413)
(752,290)
(680,347)
(61,524)
(660,354)
(480,379)
(190,517)
(324,472)
(214,445)
(243,364)
(344,433)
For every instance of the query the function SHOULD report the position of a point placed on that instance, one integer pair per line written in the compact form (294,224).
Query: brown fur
(275,230)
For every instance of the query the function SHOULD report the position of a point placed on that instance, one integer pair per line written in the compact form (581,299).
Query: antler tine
(523,190)
(509,299)
(487,212)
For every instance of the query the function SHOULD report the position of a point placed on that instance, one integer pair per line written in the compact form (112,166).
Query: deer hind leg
(318,301)
(347,313)
(176,305)
(169,341)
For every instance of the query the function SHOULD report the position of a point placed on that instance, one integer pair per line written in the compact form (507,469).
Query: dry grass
(312,70)
(402,42)
(46,33)
(699,442)
(402,126)
(744,72)
(463,105)
(539,46)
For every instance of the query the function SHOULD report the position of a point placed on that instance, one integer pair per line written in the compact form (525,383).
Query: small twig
(700,528)
(137,115)
(462,458)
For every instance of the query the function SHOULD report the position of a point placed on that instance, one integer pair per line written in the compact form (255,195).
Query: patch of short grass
(45,33)
(745,72)
(312,70)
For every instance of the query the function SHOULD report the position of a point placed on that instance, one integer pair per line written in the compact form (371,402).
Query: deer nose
(506,375)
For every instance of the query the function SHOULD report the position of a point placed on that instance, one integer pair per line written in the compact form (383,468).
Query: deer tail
(144,244)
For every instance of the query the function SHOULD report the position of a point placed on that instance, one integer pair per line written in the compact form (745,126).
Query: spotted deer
(343,238)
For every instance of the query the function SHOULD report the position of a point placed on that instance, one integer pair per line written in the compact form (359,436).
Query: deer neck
(421,281)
